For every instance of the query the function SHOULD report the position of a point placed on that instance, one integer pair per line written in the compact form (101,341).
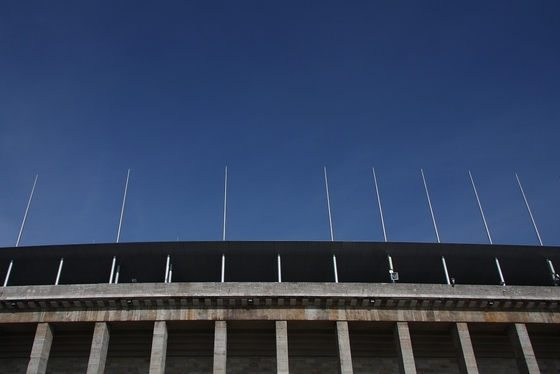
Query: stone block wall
(13,365)
(127,365)
(549,366)
(497,365)
(375,365)
(437,365)
(313,365)
(190,365)
(66,365)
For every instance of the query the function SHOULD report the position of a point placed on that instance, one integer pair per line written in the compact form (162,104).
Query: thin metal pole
(223,267)
(502,280)
(26,210)
(328,202)
(445,269)
(529,209)
(112,269)
(550,266)
(224,226)
(225,206)
(390,268)
(117,274)
(122,208)
(279,269)
(335,268)
(379,204)
(480,207)
(430,205)
(8,273)
(167,270)
(59,272)
(553,274)
(170,272)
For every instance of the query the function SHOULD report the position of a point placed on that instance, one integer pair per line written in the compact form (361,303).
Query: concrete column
(463,348)
(220,347)
(524,355)
(344,353)
(41,349)
(99,346)
(404,348)
(282,366)
(159,348)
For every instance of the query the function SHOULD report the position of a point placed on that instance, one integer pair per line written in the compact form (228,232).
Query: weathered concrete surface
(220,347)
(41,349)
(282,361)
(524,355)
(464,349)
(344,353)
(309,313)
(276,290)
(99,346)
(159,348)
(404,348)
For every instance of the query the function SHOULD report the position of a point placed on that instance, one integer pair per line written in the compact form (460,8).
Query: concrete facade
(280,327)
(408,313)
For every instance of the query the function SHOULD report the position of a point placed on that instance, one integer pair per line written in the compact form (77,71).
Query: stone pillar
(220,347)
(404,348)
(99,346)
(282,366)
(463,348)
(524,355)
(159,348)
(344,354)
(41,349)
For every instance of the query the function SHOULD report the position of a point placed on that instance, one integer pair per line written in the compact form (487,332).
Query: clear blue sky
(177,90)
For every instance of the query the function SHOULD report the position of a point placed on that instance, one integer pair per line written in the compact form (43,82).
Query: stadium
(280,307)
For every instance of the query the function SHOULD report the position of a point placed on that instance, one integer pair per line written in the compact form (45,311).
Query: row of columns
(517,332)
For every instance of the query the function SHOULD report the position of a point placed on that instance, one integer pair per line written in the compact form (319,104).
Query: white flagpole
(8,273)
(59,272)
(529,209)
(122,208)
(445,270)
(26,210)
(430,205)
(379,204)
(279,269)
(225,206)
(328,202)
(112,269)
(167,270)
(223,274)
(480,207)
(330,224)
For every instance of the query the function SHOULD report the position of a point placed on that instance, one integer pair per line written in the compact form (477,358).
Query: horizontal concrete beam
(284,290)
(286,313)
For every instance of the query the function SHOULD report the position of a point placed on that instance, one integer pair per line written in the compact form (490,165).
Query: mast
(26,210)
(328,202)
(122,208)
(480,207)
(379,204)
(225,206)
(529,209)
(430,205)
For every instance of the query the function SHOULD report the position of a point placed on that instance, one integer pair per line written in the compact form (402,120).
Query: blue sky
(176,91)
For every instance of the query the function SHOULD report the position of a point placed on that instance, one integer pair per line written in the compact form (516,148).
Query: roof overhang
(301,261)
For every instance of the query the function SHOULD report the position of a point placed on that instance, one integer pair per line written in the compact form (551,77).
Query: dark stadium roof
(301,261)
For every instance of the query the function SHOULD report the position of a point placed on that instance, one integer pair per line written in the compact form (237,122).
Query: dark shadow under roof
(301,261)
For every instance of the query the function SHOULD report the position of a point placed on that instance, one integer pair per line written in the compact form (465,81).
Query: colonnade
(466,359)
